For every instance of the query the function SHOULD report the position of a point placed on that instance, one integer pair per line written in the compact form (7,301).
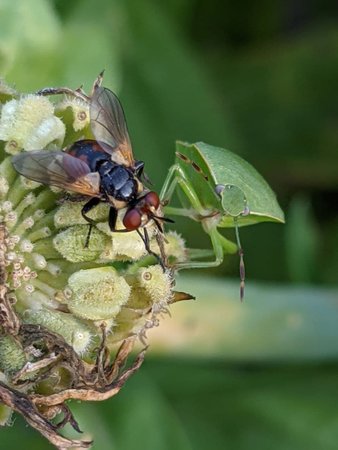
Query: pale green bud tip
(30,124)
(174,246)
(28,184)
(5,415)
(80,111)
(69,214)
(75,333)
(156,283)
(97,294)
(12,357)
(124,246)
(6,89)
(3,186)
(71,243)
(150,286)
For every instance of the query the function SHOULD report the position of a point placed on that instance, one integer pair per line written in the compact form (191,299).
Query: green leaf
(273,323)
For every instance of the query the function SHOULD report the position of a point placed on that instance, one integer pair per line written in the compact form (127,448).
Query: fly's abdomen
(90,152)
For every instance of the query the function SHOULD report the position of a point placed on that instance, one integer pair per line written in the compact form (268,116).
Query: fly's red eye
(132,219)
(152,199)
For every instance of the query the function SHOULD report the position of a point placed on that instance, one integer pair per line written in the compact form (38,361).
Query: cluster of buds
(69,313)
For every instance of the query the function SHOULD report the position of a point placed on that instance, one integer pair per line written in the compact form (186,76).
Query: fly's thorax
(118,182)
(118,204)
(140,187)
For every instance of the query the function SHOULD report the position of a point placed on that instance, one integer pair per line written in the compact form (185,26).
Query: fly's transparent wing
(59,169)
(108,124)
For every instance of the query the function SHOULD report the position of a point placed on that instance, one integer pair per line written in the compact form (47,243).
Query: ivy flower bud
(124,246)
(72,305)
(174,246)
(80,110)
(71,243)
(150,285)
(69,214)
(97,294)
(12,356)
(29,124)
(5,415)
(74,331)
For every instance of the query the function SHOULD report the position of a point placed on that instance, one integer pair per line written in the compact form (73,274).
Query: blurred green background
(261,79)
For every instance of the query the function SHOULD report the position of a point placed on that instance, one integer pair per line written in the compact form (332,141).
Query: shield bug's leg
(218,249)
(177,176)
(235,204)
(86,208)
(220,244)
(241,261)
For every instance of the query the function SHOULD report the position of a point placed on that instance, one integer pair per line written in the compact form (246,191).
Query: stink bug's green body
(218,189)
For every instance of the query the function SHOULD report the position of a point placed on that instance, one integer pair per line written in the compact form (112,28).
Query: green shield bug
(220,190)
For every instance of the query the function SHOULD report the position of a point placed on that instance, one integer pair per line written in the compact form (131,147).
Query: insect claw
(241,291)
(241,273)
(98,81)
(88,236)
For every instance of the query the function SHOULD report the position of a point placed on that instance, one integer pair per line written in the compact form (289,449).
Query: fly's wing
(108,124)
(58,169)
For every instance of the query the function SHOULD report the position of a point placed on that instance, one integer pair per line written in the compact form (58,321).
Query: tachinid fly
(103,169)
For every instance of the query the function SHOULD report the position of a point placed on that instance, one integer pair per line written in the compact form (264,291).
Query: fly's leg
(220,246)
(79,93)
(86,208)
(97,82)
(176,176)
(145,237)
(146,241)
(112,218)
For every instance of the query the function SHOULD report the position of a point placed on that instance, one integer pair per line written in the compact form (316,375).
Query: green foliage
(301,241)
(234,77)
(211,405)
(260,79)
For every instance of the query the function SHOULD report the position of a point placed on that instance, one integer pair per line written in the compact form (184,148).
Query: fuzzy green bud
(69,214)
(12,357)
(150,291)
(150,285)
(3,186)
(7,91)
(80,111)
(124,246)
(97,294)
(5,415)
(71,243)
(30,124)
(174,246)
(74,331)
